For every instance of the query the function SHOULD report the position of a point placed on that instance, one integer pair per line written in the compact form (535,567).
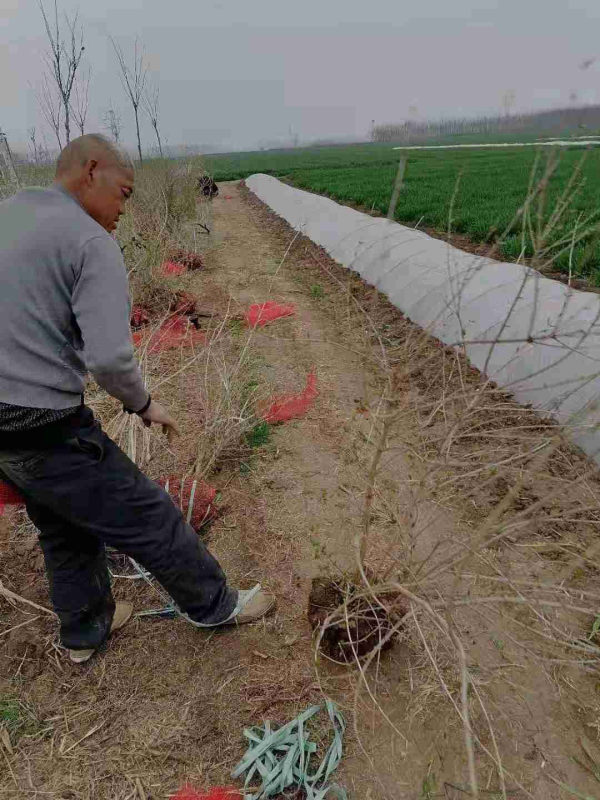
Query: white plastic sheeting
(533,336)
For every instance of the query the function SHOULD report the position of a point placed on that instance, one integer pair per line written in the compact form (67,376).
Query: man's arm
(101,308)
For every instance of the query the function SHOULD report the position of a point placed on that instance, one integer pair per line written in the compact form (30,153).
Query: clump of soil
(184,303)
(357,624)
(189,259)
(151,295)
(25,650)
(181,304)
(140,317)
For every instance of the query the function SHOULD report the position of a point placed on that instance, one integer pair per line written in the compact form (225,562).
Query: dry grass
(159,219)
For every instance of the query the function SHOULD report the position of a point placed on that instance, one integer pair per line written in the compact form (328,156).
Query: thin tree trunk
(67,123)
(137,127)
(160,150)
(58,139)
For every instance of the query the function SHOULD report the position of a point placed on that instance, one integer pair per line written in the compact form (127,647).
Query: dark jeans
(82,493)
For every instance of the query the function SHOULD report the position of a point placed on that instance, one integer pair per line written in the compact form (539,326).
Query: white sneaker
(252,605)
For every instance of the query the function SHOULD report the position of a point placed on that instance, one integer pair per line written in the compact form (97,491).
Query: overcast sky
(236,73)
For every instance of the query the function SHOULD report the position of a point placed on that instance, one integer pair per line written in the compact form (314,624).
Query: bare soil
(166,704)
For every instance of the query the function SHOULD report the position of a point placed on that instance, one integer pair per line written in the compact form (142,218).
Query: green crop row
(472,192)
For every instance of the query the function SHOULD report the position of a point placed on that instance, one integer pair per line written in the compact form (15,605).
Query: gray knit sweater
(64,305)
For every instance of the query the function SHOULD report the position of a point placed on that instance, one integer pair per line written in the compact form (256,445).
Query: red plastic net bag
(292,406)
(173,268)
(200,494)
(139,317)
(175,332)
(261,314)
(216,793)
(9,496)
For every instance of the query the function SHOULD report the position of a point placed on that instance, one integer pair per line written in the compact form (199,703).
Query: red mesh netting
(173,268)
(139,317)
(293,405)
(9,496)
(189,259)
(204,508)
(262,313)
(175,332)
(216,793)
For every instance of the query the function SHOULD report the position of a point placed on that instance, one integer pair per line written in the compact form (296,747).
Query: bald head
(91,147)
(99,175)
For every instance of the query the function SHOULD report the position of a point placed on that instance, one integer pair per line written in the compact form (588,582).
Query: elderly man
(64,311)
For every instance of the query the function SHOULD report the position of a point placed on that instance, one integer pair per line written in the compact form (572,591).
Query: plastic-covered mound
(261,314)
(188,258)
(139,317)
(292,406)
(173,268)
(202,496)
(175,332)
(216,793)
(9,496)
(184,303)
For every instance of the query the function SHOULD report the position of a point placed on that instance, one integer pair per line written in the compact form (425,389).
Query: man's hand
(158,415)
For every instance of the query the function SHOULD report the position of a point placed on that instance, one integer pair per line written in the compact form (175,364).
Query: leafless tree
(134,82)
(113,123)
(35,146)
(294,138)
(79,107)
(8,174)
(39,149)
(51,107)
(151,108)
(508,101)
(64,58)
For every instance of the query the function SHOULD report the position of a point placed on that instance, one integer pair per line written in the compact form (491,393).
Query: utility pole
(8,173)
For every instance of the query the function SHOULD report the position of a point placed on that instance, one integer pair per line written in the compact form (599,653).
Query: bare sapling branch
(113,122)
(151,108)
(66,50)
(79,107)
(134,82)
(51,108)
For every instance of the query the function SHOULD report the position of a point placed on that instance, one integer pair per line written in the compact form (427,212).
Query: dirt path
(167,703)
(307,487)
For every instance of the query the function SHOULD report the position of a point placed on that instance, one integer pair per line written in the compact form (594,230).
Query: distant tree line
(64,90)
(561,121)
